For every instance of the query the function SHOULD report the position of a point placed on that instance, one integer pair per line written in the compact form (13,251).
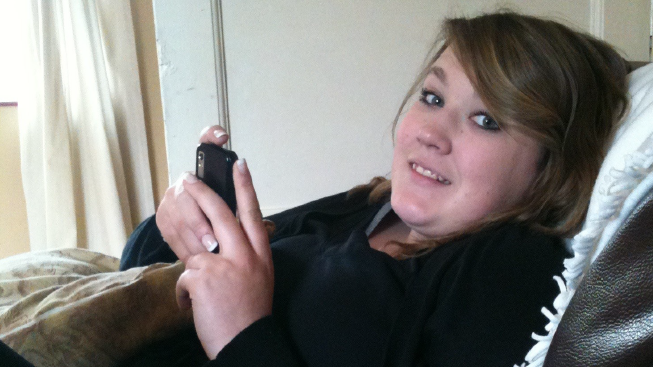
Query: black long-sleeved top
(338,302)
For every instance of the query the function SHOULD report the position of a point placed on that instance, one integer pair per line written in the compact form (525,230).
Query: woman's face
(452,163)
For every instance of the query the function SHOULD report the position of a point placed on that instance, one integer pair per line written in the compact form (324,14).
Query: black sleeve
(145,246)
(260,344)
(290,222)
(10,358)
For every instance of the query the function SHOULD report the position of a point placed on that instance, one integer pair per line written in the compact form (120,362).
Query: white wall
(185,48)
(627,27)
(313,90)
(313,86)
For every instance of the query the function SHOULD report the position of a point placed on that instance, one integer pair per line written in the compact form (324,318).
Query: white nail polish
(242,165)
(189,177)
(209,242)
(179,187)
(219,133)
(204,130)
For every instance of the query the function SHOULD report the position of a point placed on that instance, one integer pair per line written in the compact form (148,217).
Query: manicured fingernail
(209,242)
(179,184)
(219,133)
(242,165)
(189,177)
(179,188)
(204,130)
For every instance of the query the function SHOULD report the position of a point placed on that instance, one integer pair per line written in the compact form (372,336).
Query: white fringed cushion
(624,180)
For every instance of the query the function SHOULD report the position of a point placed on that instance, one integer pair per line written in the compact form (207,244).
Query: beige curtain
(84,158)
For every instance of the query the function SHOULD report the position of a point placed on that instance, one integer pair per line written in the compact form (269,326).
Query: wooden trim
(8,104)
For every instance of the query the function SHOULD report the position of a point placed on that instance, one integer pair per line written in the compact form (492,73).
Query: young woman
(448,263)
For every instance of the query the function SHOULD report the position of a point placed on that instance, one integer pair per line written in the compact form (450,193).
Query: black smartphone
(214,166)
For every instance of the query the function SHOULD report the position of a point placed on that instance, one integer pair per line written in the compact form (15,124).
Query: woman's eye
(429,98)
(485,122)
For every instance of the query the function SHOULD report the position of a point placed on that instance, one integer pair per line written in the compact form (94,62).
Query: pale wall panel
(314,86)
(627,27)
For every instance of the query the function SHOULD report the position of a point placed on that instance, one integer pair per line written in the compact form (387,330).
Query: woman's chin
(414,213)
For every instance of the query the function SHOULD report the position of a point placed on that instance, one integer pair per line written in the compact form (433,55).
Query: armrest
(609,321)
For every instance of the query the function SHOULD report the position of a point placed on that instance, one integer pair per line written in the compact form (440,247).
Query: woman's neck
(390,229)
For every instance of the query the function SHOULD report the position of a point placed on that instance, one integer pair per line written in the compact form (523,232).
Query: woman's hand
(230,290)
(182,223)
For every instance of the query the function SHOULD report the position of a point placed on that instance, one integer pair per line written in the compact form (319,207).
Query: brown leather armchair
(609,321)
(603,315)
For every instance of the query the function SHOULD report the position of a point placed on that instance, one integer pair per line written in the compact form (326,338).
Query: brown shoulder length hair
(562,87)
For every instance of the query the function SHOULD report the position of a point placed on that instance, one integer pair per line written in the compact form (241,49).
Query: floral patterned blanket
(74,308)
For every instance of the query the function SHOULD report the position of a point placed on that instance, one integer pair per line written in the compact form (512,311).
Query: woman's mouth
(427,173)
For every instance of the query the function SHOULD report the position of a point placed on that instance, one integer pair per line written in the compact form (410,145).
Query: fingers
(182,223)
(249,210)
(226,296)
(225,226)
(182,290)
(235,238)
(170,236)
(214,135)
(193,218)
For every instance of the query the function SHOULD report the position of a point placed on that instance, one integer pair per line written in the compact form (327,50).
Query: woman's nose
(436,134)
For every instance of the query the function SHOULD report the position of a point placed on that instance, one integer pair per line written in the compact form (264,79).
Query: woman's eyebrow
(439,73)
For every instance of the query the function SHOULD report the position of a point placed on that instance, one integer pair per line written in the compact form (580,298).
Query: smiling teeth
(424,172)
